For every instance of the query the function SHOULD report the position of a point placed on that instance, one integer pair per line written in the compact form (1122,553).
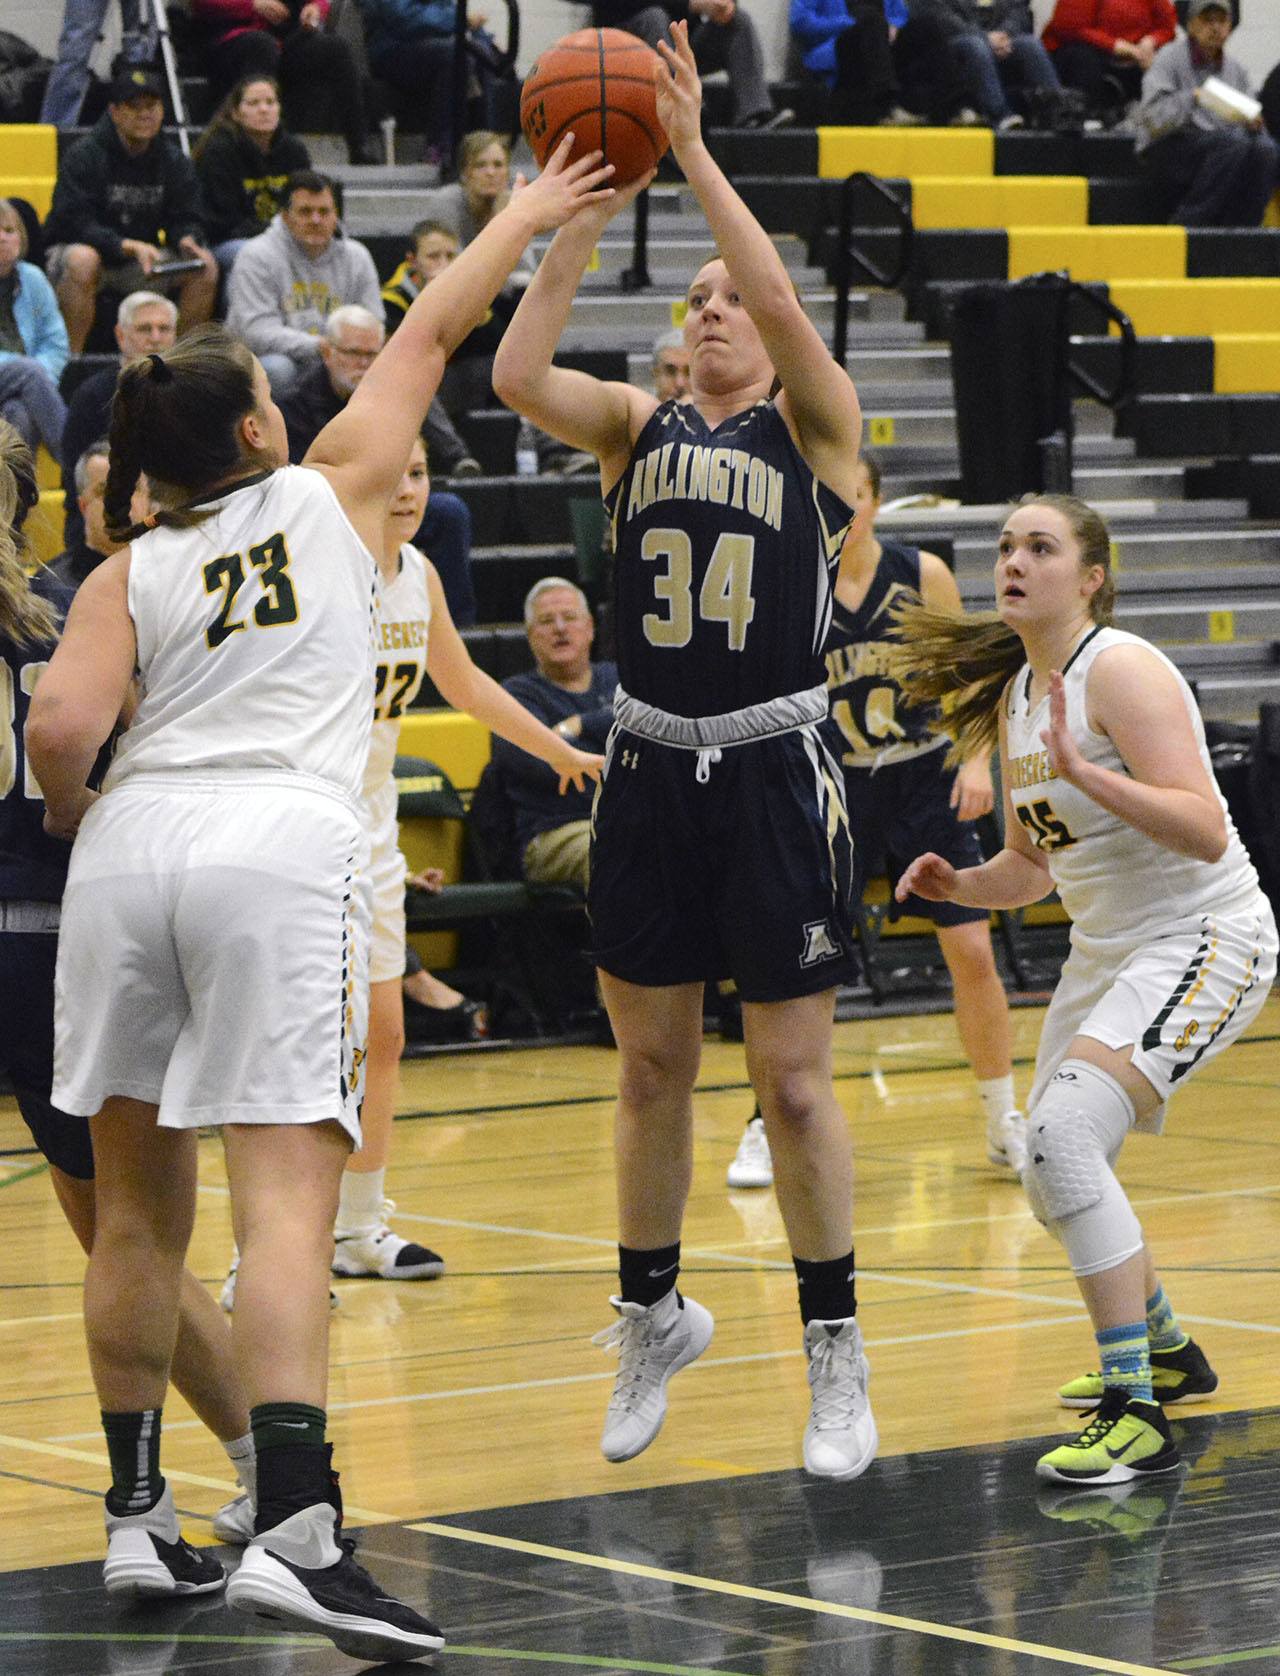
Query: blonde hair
(478,140)
(8,207)
(963,663)
(24,616)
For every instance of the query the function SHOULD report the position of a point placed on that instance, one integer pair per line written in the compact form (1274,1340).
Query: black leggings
(318,75)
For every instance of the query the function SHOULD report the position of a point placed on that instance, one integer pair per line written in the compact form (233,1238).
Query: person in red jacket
(1103,47)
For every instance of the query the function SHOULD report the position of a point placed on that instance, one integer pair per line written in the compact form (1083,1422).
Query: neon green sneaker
(1124,1438)
(1181,1375)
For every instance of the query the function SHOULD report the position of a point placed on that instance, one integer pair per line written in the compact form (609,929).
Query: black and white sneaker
(297,1574)
(147,1558)
(378,1252)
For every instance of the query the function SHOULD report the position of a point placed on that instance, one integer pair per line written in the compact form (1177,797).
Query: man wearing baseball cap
(127,205)
(1217,164)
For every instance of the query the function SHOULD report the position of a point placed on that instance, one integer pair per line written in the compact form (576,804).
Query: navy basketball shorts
(27,962)
(903,810)
(746,876)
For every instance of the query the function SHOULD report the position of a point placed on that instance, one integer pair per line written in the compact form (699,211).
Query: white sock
(240,1452)
(360,1202)
(998,1096)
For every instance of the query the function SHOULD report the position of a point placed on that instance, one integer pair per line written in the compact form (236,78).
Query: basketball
(599,84)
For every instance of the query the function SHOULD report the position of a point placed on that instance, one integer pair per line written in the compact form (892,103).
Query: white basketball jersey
(1114,881)
(255,638)
(400,635)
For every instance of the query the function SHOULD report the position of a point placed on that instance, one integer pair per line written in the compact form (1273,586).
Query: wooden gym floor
(466,1411)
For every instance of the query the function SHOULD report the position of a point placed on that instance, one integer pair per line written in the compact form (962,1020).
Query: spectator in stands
(574,697)
(848,44)
(1104,47)
(980,55)
(145,323)
(287,39)
(723,37)
(82,22)
(288,281)
(410,47)
(347,347)
(244,160)
(671,368)
(468,378)
(120,191)
(93,544)
(1222,170)
(33,341)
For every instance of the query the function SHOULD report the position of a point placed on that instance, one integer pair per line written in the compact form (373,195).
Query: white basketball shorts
(387,872)
(213,958)
(1176,999)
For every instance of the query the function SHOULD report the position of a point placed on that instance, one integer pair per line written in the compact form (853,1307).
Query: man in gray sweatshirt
(287,282)
(1217,170)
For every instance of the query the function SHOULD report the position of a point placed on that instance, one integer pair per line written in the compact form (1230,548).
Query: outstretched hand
(678,89)
(928,876)
(1064,756)
(576,767)
(564,188)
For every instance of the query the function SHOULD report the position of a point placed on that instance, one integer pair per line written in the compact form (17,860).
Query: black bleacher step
(502,581)
(1223,425)
(1165,365)
(1030,153)
(491,436)
(1233,252)
(780,151)
(936,253)
(500,649)
(932,303)
(1128,202)
(522,511)
(1256,477)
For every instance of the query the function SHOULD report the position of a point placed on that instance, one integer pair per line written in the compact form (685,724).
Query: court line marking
(800,1603)
(558,1380)
(522,1654)
(1216,1660)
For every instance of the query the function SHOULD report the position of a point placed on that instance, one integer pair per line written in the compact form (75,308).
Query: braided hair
(176,417)
(24,616)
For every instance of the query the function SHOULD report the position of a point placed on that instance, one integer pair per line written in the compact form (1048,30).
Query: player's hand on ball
(678,89)
(575,768)
(928,876)
(564,188)
(1064,755)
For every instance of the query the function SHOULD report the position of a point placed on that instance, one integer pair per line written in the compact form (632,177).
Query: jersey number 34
(278,604)
(724,597)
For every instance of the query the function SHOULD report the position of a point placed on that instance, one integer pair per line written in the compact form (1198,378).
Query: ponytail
(961,664)
(964,663)
(176,417)
(24,616)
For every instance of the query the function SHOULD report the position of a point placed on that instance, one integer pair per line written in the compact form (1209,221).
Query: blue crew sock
(1125,1359)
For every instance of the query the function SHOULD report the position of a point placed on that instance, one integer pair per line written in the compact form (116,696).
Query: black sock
(646,1276)
(294,1461)
(826,1289)
(133,1443)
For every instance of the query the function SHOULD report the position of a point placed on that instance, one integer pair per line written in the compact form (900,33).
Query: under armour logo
(818,943)
(630,759)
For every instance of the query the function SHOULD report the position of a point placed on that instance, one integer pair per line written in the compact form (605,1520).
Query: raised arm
(469,689)
(363,450)
(593,414)
(818,398)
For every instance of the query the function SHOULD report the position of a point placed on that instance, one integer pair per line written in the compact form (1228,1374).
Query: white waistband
(214,780)
(732,727)
(29,916)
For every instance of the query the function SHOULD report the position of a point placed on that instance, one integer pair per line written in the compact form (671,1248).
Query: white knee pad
(1073,1137)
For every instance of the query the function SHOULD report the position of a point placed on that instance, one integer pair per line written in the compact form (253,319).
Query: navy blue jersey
(866,703)
(725,551)
(33,866)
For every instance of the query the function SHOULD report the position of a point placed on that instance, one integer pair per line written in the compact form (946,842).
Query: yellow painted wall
(1001,201)
(1100,253)
(1199,307)
(1246,362)
(905,153)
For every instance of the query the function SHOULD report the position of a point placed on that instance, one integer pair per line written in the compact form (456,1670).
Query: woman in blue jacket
(33,342)
(848,45)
